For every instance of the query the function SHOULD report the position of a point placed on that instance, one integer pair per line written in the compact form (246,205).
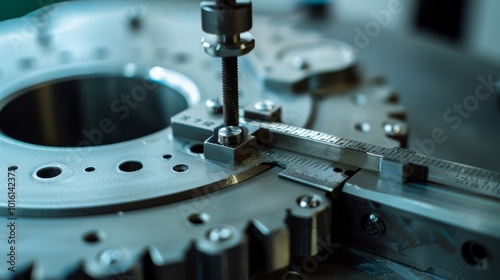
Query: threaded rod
(230,105)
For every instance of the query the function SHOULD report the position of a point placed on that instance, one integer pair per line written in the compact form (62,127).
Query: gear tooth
(154,268)
(23,272)
(225,260)
(269,245)
(79,273)
(310,229)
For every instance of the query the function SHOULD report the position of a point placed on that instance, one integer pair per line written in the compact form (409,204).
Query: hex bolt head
(111,256)
(214,106)
(308,201)
(264,106)
(373,225)
(230,136)
(219,234)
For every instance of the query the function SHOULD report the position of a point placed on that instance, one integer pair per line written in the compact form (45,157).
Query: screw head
(214,106)
(373,225)
(308,201)
(111,257)
(394,129)
(219,234)
(300,63)
(264,106)
(230,135)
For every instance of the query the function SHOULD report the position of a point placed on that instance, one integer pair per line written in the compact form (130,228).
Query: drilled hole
(49,172)
(476,255)
(167,156)
(180,168)
(92,237)
(90,169)
(130,166)
(349,172)
(198,218)
(337,170)
(362,126)
(197,148)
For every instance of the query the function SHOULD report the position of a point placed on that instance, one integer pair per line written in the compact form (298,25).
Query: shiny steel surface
(152,195)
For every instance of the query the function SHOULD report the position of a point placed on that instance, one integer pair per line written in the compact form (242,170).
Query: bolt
(230,91)
(219,234)
(300,63)
(228,21)
(393,128)
(111,256)
(230,135)
(265,106)
(214,106)
(308,201)
(373,225)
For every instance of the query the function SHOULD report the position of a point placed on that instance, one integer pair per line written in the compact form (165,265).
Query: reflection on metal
(115,160)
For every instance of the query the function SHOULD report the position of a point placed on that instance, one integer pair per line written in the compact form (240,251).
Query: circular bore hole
(180,168)
(130,166)
(349,172)
(197,149)
(167,156)
(198,218)
(476,255)
(362,126)
(90,169)
(91,111)
(92,237)
(392,98)
(338,170)
(49,172)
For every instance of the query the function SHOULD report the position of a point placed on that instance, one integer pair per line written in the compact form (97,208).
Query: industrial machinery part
(110,171)
(227,19)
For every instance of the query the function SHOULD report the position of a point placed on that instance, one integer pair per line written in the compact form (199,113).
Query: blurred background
(469,25)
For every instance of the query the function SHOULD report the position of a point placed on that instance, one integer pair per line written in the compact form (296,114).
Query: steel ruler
(392,164)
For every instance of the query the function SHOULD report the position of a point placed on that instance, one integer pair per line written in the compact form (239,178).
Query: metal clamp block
(232,155)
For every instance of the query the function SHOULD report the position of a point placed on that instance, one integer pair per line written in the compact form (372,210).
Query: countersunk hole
(92,237)
(130,166)
(180,168)
(476,255)
(362,126)
(90,169)
(167,156)
(197,148)
(349,172)
(49,172)
(198,218)
(338,170)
